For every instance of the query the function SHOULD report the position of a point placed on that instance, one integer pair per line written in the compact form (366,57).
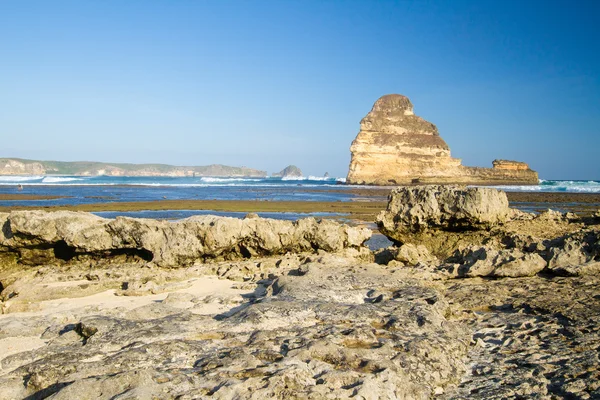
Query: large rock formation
(475,231)
(38,237)
(16,167)
(419,208)
(291,171)
(394,146)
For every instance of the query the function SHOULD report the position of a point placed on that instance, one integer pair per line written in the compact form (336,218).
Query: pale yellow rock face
(14,167)
(394,146)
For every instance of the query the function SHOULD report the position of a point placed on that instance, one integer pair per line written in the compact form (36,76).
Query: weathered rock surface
(420,208)
(511,313)
(39,237)
(477,235)
(331,328)
(534,338)
(394,146)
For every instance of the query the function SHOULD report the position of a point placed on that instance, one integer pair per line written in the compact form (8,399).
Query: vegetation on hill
(13,166)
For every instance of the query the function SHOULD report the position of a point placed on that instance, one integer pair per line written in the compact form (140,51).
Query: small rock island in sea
(395,146)
(291,171)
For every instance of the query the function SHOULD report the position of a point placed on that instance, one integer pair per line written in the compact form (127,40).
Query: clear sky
(265,84)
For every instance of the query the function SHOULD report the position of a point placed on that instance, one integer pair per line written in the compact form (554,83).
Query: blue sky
(270,83)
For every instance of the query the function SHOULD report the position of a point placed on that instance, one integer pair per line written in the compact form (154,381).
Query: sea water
(73,190)
(561,186)
(108,189)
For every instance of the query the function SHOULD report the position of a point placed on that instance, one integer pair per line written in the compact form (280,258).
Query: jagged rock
(39,237)
(20,167)
(421,208)
(570,255)
(291,171)
(575,254)
(394,146)
(485,261)
(413,254)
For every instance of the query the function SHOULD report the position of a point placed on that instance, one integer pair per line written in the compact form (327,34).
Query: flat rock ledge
(38,237)
(330,328)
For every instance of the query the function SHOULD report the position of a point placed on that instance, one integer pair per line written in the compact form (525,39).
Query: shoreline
(369,203)
(138,306)
(362,210)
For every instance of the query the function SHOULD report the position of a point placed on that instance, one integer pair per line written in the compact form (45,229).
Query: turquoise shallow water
(82,190)
(564,186)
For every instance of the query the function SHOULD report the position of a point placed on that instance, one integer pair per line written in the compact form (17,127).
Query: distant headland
(18,166)
(394,146)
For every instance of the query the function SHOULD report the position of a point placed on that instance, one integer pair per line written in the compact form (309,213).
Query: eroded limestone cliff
(394,146)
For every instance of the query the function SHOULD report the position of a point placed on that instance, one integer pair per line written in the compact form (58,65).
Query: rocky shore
(474,300)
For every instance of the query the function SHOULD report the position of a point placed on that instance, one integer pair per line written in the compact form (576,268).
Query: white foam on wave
(20,178)
(308,178)
(57,179)
(556,186)
(209,179)
(320,178)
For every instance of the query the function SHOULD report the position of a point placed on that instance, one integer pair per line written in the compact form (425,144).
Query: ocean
(107,189)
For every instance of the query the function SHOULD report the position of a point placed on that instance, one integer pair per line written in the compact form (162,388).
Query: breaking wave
(17,178)
(57,179)
(307,178)
(572,186)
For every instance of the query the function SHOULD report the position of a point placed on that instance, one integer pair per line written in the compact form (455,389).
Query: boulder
(413,209)
(413,254)
(488,262)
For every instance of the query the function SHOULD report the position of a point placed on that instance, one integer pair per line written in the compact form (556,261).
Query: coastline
(369,202)
(138,306)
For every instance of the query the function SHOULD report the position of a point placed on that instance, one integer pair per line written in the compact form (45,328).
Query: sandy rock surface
(327,327)
(478,302)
